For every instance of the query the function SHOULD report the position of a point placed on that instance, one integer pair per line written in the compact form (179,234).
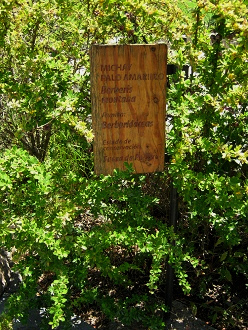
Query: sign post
(128,92)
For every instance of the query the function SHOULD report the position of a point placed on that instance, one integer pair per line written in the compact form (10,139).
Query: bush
(76,236)
(53,244)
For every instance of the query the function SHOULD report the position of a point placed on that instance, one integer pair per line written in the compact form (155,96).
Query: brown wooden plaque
(128,92)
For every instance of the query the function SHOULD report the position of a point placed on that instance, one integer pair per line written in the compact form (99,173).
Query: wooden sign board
(128,92)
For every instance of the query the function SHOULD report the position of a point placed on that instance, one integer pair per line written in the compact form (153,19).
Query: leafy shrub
(208,144)
(67,227)
(46,227)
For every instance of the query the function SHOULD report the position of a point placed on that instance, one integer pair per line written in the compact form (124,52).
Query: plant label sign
(128,93)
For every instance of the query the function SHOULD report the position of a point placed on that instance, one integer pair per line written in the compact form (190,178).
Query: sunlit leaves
(46,200)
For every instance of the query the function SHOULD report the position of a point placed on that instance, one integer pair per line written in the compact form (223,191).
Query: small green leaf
(223,256)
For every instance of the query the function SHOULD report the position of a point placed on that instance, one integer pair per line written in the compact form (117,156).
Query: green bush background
(66,225)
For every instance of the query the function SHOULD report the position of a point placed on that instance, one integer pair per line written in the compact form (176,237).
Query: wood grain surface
(128,93)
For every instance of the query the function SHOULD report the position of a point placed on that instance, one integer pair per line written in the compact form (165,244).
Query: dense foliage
(80,240)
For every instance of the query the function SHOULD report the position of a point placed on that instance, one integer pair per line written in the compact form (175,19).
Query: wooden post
(128,92)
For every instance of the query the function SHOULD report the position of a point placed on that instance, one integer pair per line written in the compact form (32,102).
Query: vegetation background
(85,242)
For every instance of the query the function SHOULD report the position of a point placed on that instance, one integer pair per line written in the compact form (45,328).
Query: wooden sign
(128,92)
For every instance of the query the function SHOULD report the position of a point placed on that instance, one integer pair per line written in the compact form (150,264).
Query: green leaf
(223,256)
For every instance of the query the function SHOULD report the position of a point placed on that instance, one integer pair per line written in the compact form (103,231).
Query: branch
(35,34)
